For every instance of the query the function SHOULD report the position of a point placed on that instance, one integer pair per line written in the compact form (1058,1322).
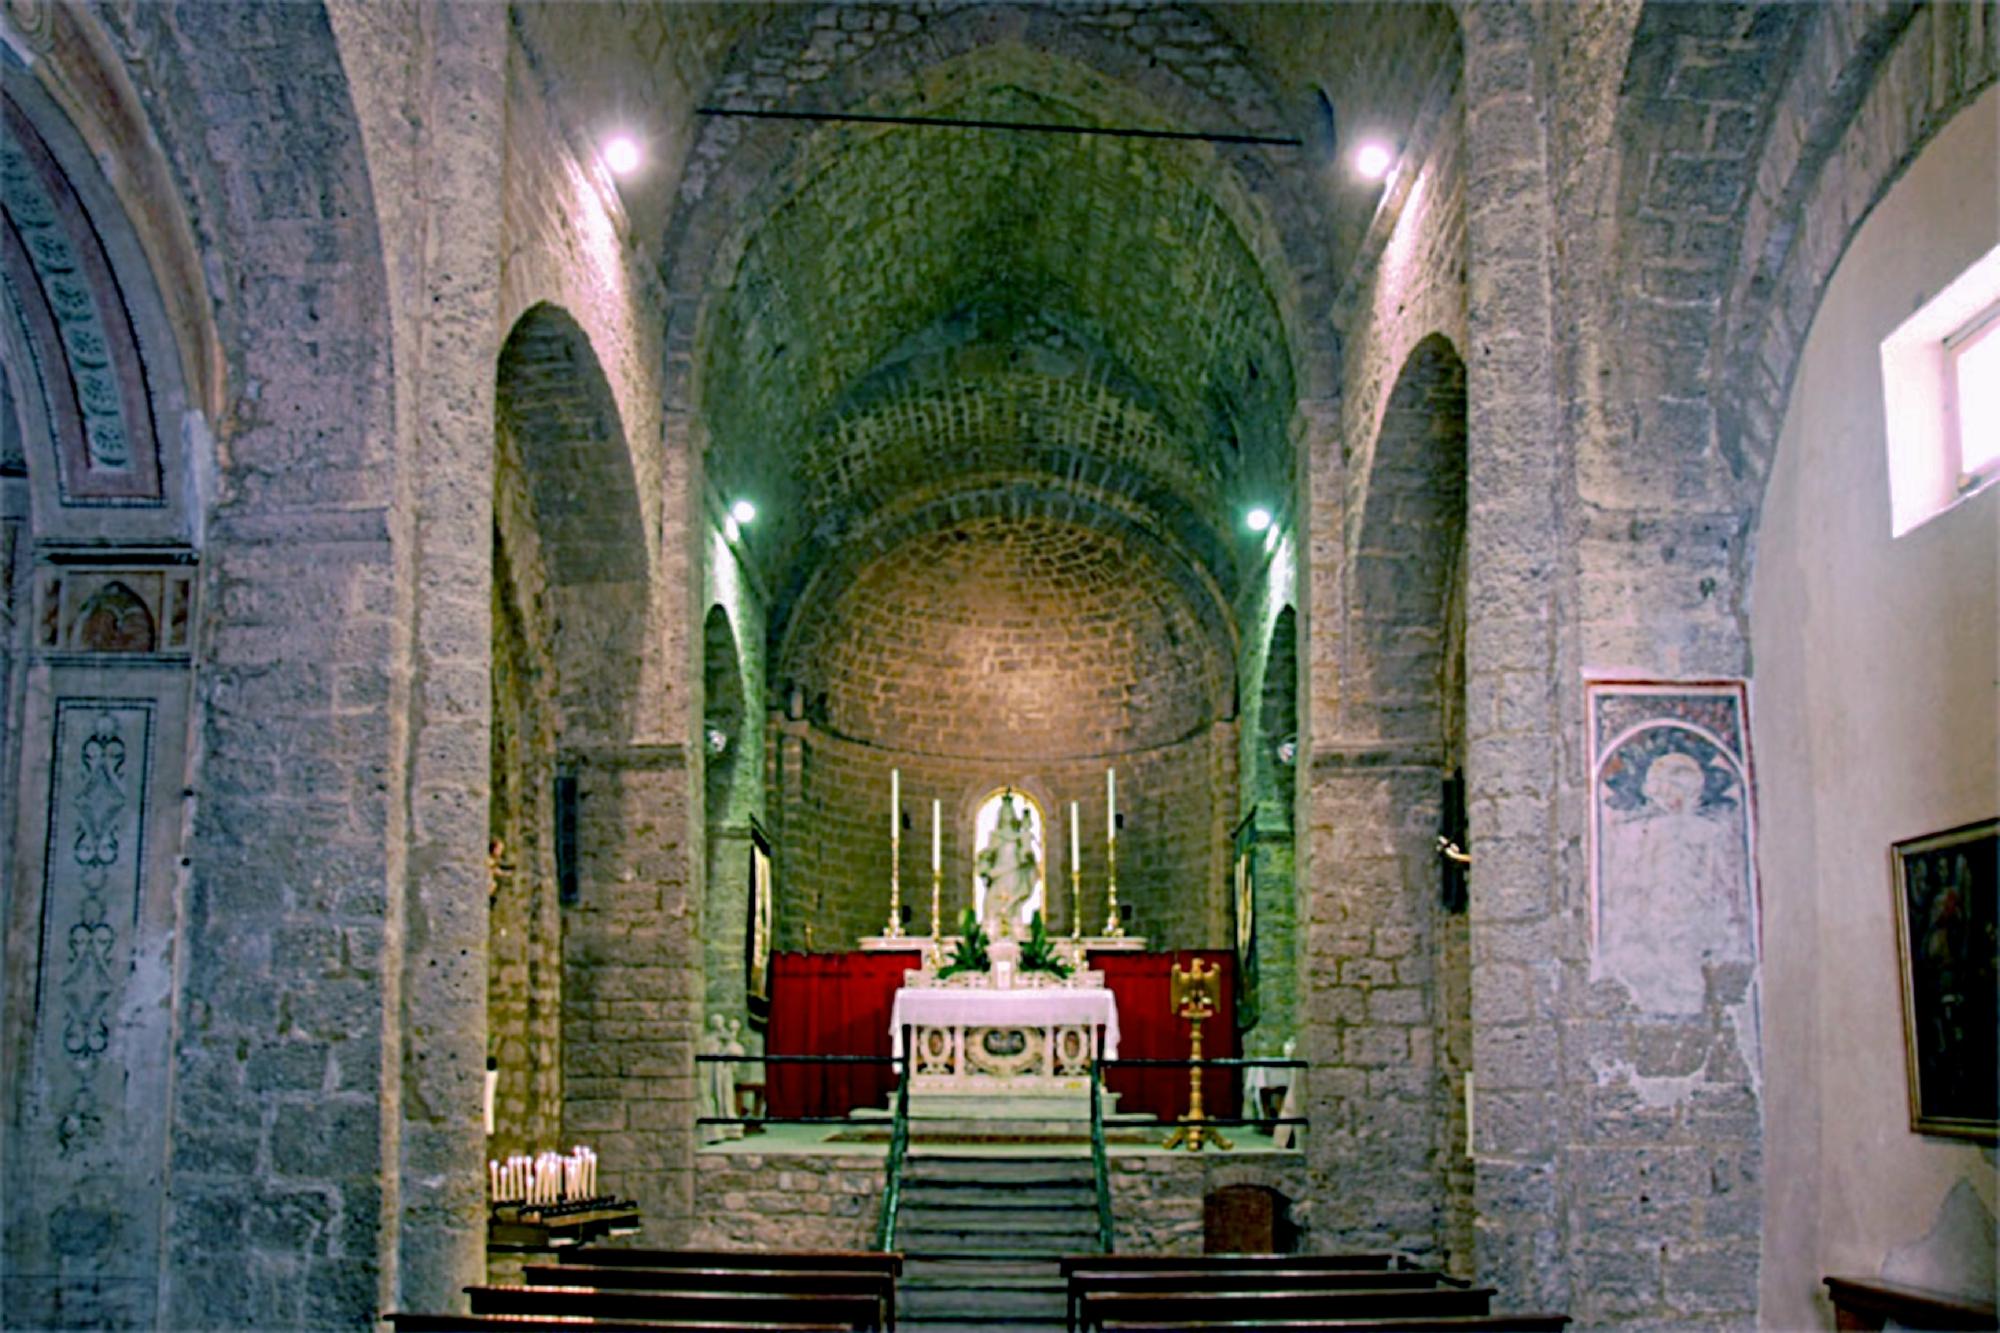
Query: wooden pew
(1866,1303)
(879,1286)
(1476,1323)
(1248,1265)
(1191,1309)
(413,1322)
(1233,1263)
(683,1307)
(828,1261)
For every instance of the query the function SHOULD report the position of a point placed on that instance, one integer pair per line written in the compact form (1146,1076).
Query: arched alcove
(1267,839)
(569,603)
(732,771)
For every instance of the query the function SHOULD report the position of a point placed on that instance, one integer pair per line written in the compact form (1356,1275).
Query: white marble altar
(980,1041)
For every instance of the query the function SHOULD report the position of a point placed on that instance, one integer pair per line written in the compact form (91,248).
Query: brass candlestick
(1195,993)
(894,930)
(1113,928)
(937,904)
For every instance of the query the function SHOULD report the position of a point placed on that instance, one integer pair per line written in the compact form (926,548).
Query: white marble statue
(1008,866)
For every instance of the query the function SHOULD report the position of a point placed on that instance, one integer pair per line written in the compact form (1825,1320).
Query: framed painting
(1243,898)
(1949,944)
(758,938)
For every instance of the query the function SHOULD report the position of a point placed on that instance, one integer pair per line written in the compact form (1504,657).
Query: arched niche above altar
(1010,843)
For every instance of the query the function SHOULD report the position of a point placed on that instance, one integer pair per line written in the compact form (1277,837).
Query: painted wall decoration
(132,609)
(1946,930)
(1672,834)
(92,375)
(90,905)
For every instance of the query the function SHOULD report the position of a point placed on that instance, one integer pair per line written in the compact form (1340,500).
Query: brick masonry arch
(1752,142)
(246,149)
(1408,551)
(558,424)
(1861,103)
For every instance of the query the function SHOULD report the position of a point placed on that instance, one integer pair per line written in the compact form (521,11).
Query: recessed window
(1941,397)
(1972,414)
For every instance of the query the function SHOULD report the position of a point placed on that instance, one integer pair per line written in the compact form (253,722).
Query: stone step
(998,1245)
(1017,1173)
(1036,1200)
(1045,1303)
(1002,1219)
(1013,1275)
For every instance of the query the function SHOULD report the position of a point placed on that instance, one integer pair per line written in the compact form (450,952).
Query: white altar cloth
(1042,1007)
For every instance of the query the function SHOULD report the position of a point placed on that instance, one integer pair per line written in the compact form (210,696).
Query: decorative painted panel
(91,888)
(132,610)
(1672,865)
(93,379)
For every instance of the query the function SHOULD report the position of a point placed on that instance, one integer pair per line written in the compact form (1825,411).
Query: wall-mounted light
(622,155)
(1372,160)
(1258,519)
(743,511)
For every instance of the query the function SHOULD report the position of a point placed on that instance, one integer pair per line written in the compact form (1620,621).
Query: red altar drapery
(1149,1029)
(831,1004)
(839,1003)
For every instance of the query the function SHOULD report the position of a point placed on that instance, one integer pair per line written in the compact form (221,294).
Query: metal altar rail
(898,1063)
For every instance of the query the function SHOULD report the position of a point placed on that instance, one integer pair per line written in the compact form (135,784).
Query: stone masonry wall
(524,984)
(632,983)
(1382,544)
(750,1200)
(833,884)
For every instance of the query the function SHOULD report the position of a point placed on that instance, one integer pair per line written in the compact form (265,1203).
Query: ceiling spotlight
(1258,519)
(1373,160)
(743,511)
(621,154)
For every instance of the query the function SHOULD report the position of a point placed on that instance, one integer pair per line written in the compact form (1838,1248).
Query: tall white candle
(895,805)
(1075,838)
(1111,804)
(937,834)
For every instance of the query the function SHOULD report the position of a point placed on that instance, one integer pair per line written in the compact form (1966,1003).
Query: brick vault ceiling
(911,325)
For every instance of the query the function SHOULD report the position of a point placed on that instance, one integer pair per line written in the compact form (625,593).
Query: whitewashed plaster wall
(1874,714)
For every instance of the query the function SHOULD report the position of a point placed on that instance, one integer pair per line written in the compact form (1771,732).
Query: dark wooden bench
(827,1261)
(1188,1309)
(1368,1261)
(1085,1283)
(681,1307)
(1476,1323)
(879,1286)
(1867,1303)
(1231,1263)
(412,1322)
